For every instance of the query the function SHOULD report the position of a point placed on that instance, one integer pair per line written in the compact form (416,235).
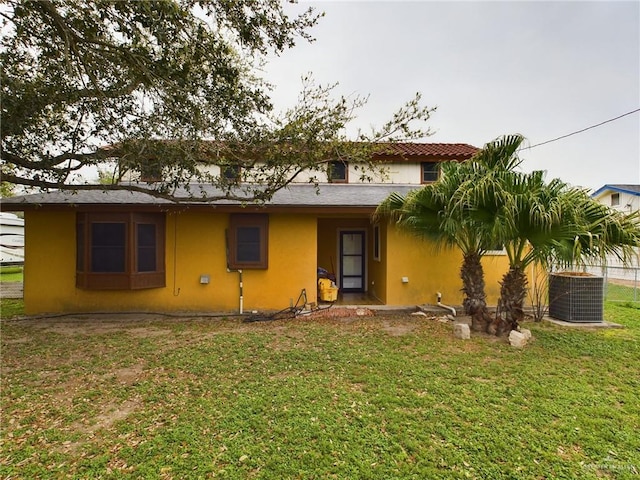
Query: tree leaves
(85,80)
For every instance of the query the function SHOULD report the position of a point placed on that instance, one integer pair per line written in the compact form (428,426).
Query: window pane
(376,242)
(353,282)
(615,199)
(108,234)
(337,171)
(352,265)
(231,172)
(146,259)
(352,244)
(108,247)
(248,244)
(146,238)
(248,234)
(429,171)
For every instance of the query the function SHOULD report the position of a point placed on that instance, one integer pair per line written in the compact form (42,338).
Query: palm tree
(532,224)
(486,201)
(539,222)
(485,197)
(427,213)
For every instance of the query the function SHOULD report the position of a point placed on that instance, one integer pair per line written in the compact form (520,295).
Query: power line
(583,130)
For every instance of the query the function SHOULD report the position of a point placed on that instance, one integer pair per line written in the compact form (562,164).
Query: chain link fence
(621,284)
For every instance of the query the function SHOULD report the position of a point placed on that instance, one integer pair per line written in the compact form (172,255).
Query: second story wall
(401,163)
(410,173)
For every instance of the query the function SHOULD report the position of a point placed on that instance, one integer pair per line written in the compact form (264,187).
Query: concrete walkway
(11,290)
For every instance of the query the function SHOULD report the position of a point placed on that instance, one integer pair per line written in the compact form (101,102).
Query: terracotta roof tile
(445,151)
(396,151)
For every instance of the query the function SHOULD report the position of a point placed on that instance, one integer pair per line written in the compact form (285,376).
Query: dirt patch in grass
(397,329)
(146,325)
(128,375)
(111,413)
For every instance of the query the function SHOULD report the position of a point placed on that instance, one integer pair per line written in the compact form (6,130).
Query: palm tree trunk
(473,287)
(513,290)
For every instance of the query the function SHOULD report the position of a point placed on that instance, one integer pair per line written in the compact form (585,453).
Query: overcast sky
(542,69)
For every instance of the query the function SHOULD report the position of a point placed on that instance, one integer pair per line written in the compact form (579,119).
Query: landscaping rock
(526,332)
(421,314)
(517,339)
(462,331)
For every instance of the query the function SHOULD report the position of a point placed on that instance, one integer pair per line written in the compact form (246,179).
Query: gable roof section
(332,196)
(621,188)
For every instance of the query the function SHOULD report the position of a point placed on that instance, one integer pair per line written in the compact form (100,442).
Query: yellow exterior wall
(50,261)
(430,271)
(327,245)
(195,245)
(378,268)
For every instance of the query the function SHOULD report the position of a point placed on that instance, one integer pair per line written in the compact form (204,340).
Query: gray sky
(542,69)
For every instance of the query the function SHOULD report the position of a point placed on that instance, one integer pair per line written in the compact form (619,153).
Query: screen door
(352,261)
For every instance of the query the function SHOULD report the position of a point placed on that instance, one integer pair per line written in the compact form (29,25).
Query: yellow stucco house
(123,251)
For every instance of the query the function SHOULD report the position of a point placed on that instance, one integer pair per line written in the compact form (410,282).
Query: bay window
(120,251)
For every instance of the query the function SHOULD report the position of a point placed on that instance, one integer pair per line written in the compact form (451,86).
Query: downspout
(446,307)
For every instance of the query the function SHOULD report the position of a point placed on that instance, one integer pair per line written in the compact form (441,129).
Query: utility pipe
(226,239)
(446,307)
(241,294)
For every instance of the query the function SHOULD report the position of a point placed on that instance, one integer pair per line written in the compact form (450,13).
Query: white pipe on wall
(446,307)
(241,294)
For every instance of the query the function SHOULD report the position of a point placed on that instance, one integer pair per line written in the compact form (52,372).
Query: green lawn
(11,274)
(621,293)
(375,397)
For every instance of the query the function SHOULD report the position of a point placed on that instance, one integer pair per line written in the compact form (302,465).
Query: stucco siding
(430,270)
(399,173)
(378,268)
(427,270)
(195,246)
(49,267)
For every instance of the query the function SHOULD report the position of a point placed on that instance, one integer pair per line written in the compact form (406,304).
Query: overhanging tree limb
(81,75)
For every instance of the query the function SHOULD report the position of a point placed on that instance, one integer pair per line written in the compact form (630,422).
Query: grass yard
(10,274)
(373,397)
(622,293)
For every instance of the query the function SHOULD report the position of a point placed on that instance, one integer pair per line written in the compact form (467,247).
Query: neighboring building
(11,239)
(625,198)
(124,251)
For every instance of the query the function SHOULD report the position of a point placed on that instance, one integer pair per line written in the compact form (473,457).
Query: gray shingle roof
(298,195)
